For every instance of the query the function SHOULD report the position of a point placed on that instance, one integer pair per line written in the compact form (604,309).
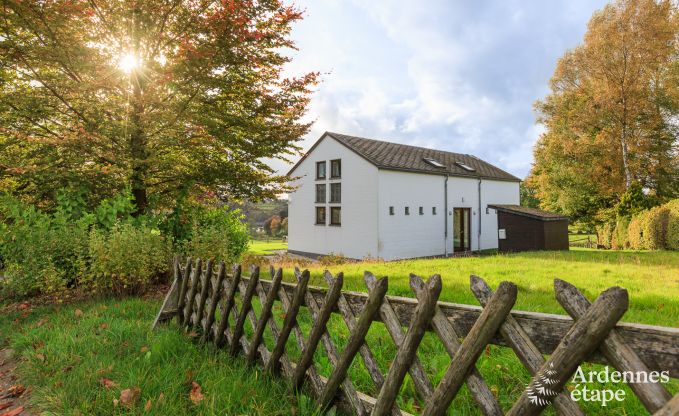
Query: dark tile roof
(530,212)
(394,156)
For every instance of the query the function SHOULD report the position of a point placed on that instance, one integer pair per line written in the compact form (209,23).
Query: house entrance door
(462,229)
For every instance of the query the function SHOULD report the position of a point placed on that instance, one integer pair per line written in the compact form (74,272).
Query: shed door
(462,229)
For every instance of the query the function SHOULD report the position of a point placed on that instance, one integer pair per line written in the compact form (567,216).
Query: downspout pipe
(445,216)
(479,237)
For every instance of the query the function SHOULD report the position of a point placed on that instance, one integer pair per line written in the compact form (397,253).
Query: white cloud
(457,76)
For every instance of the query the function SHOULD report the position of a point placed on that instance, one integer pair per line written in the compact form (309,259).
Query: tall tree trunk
(138,140)
(623,145)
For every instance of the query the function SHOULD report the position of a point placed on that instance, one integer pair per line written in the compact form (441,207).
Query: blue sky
(454,75)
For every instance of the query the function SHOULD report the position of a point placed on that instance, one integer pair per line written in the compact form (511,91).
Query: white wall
(414,235)
(406,236)
(464,193)
(495,192)
(357,236)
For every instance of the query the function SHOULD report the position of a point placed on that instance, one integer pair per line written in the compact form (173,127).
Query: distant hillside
(256,213)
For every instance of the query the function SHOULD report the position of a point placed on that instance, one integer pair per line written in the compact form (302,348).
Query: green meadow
(67,353)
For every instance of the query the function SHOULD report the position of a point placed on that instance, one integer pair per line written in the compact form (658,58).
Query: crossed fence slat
(524,348)
(220,305)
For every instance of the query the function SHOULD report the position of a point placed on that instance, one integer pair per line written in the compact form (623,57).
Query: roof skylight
(465,167)
(434,162)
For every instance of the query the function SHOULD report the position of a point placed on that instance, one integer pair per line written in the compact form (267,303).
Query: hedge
(653,229)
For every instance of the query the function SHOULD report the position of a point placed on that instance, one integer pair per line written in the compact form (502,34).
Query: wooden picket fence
(215,305)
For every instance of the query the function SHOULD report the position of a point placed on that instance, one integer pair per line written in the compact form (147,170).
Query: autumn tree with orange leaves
(611,116)
(163,97)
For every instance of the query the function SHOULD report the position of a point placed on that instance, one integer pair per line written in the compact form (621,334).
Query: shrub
(218,234)
(619,238)
(126,259)
(673,225)
(605,234)
(40,251)
(634,233)
(654,227)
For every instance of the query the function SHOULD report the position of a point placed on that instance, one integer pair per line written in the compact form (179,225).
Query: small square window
(421,210)
(320,193)
(407,210)
(335,216)
(336,169)
(320,215)
(433,210)
(320,170)
(336,192)
(391,210)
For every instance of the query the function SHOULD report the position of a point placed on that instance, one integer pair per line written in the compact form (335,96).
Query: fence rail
(218,305)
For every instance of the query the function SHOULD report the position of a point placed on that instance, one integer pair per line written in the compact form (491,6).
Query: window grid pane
(320,193)
(433,210)
(336,168)
(336,192)
(421,210)
(407,210)
(320,170)
(335,216)
(320,215)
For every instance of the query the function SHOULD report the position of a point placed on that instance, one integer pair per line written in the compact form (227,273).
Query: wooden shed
(525,229)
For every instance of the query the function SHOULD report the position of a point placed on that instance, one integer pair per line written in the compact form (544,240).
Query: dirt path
(13,395)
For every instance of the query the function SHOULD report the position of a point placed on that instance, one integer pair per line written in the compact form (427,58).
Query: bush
(673,225)
(605,234)
(126,259)
(218,234)
(654,227)
(619,238)
(635,233)
(41,252)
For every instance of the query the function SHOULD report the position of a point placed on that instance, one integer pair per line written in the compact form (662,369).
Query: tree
(272,225)
(284,226)
(527,195)
(158,96)
(611,115)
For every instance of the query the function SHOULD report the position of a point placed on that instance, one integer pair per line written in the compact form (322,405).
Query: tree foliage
(162,97)
(611,115)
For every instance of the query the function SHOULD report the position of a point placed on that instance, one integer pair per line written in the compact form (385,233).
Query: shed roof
(529,212)
(395,156)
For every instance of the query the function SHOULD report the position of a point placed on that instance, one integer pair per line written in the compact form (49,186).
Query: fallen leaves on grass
(5,405)
(196,395)
(40,357)
(16,390)
(78,313)
(130,397)
(148,405)
(13,412)
(107,382)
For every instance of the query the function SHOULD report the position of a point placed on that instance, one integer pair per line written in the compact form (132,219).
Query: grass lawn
(66,356)
(71,352)
(263,247)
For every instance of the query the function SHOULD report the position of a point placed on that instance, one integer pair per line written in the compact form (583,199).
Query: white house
(367,198)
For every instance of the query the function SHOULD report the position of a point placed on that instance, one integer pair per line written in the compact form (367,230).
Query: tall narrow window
(320,193)
(391,210)
(320,215)
(433,210)
(421,210)
(335,169)
(407,210)
(335,216)
(320,170)
(335,192)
